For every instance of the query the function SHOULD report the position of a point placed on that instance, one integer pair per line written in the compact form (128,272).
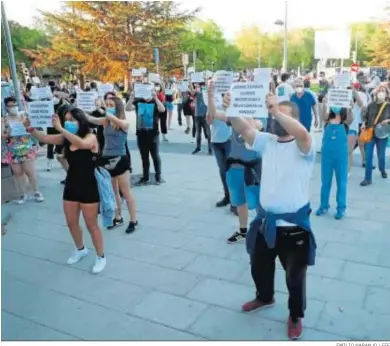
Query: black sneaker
(236,238)
(131,228)
(141,182)
(234,210)
(365,183)
(384,174)
(223,202)
(210,152)
(197,150)
(115,223)
(63,182)
(187,131)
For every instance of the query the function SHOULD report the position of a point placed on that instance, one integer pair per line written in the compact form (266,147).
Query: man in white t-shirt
(282,225)
(284,90)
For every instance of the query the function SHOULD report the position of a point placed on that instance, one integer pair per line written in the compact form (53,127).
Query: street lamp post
(11,57)
(285,31)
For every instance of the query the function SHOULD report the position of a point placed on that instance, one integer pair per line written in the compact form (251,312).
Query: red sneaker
(256,304)
(294,329)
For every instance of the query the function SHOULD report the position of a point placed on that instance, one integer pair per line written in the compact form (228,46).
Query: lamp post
(284,25)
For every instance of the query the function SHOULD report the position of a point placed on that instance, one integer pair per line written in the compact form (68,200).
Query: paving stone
(207,246)
(81,319)
(169,310)
(355,323)
(15,328)
(162,237)
(222,324)
(377,300)
(215,267)
(327,267)
(367,275)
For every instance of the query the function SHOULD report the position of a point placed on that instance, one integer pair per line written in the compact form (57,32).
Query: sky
(233,15)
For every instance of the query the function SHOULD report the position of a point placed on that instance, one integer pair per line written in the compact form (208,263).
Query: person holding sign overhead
(282,225)
(22,150)
(115,130)
(147,108)
(334,159)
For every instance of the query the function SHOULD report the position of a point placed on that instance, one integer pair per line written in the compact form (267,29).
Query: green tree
(250,43)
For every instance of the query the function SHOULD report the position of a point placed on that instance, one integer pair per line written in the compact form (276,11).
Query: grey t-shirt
(200,106)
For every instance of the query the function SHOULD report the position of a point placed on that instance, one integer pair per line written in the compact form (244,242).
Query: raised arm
(42,137)
(123,124)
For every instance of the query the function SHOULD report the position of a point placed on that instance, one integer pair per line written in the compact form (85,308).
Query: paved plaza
(176,278)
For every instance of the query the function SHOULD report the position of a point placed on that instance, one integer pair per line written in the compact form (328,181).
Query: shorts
(352,133)
(59,149)
(187,109)
(169,106)
(117,165)
(241,194)
(88,194)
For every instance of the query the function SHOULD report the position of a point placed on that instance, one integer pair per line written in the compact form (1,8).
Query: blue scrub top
(305,105)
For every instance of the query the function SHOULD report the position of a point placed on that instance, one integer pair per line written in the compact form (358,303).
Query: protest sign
(17,129)
(36,80)
(136,72)
(86,100)
(183,86)
(261,73)
(40,113)
(143,91)
(223,81)
(168,92)
(104,89)
(248,100)
(197,77)
(191,70)
(208,74)
(342,80)
(143,70)
(154,78)
(41,93)
(339,98)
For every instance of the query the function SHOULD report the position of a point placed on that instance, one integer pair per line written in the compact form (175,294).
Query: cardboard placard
(342,80)
(197,77)
(223,81)
(41,93)
(17,129)
(154,78)
(136,72)
(105,88)
(40,113)
(339,98)
(168,92)
(86,100)
(248,100)
(183,86)
(143,91)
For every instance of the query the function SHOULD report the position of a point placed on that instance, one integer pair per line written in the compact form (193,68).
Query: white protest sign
(40,113)
(143,91)
(41,93)
(86,100)
(105,88)
(36,80)
(168,92)
(262,73)
(136,72)
(223,81)
(197,77)
(339,98)
(248,100)
(191,70)
(183,86)
(143,70)
(17,129)
(154,78)
(208,74)
(342,80)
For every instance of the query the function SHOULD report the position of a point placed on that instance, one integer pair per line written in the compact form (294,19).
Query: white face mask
(158,88)
(13,110)
(56,101)
(298,89)
(381,96)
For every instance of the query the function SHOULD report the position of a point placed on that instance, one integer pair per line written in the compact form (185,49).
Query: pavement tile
(367,275)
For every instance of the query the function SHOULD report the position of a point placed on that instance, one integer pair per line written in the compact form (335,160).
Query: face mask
(13,110)
(56,101)
(336,110)
(381,96)
(298,89)
(71,127)
(158,89)
(278,129)
(111,110)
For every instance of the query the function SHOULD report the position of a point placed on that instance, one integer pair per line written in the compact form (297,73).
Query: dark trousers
(201,123)
(149,144)
(292,248)
(163,122)
(221,152)
(179,113)
(50,147)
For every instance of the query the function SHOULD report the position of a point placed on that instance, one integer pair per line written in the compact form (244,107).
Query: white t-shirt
(284,91)
(286,174)
(357,112)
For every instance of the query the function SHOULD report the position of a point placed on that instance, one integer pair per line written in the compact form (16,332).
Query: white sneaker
(49,165)
(23,200)
(100,264)
(38,197)
(77,256)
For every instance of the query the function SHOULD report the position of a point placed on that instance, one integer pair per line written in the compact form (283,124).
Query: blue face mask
(71,127)
(336,110)
(111,110)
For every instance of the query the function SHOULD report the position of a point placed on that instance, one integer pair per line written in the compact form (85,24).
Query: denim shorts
(169,106)
(352,133)
(241,194)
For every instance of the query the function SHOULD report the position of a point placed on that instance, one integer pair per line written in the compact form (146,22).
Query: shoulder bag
(367,134)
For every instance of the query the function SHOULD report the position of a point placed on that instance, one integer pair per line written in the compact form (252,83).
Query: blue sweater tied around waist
(265,223)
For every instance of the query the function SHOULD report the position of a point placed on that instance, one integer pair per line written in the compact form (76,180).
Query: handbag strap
(380,113)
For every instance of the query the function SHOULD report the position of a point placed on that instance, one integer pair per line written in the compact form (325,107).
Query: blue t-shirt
(200,106)
(305,105)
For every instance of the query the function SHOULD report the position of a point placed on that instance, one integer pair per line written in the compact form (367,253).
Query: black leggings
(292,248)
(50,147)
(148,144)
(163,122)
(201,123)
